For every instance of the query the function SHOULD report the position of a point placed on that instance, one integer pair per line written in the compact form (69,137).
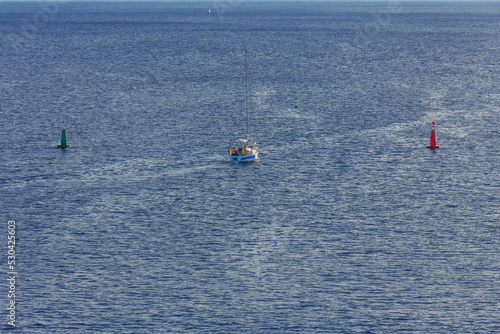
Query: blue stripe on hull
(247,158)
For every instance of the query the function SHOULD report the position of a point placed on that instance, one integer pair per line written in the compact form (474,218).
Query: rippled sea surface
(347,224)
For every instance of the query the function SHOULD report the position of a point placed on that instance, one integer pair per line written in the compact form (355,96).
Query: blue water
(347,224)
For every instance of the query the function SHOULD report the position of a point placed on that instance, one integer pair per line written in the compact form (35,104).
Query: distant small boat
(209,11)
(249,151)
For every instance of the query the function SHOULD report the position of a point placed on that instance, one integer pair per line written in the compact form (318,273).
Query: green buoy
(64,139)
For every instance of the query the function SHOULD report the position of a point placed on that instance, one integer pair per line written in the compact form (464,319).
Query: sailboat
(244,150)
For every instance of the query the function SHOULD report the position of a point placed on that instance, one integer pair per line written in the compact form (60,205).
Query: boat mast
(246,95)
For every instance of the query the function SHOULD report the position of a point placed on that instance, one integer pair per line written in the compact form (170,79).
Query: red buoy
(433,143)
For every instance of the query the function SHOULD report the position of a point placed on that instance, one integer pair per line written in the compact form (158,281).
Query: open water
(347,224)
